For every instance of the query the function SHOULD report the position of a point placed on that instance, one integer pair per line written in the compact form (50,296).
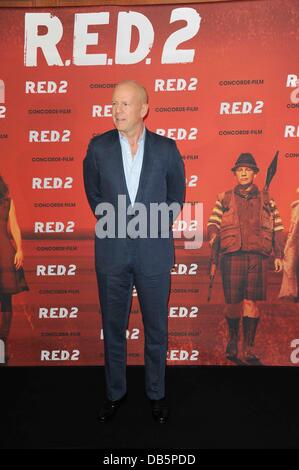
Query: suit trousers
(115,292)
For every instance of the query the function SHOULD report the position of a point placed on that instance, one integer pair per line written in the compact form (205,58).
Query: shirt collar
(141,138)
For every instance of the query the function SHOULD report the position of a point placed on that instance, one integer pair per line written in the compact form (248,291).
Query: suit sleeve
(176,184)
(91,175)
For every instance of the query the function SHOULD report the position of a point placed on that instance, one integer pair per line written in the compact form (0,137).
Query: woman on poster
(289,285)
(12,279)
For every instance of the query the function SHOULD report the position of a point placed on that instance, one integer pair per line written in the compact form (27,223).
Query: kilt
(244,276)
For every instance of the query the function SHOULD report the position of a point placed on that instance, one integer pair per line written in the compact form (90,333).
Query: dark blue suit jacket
(162,179)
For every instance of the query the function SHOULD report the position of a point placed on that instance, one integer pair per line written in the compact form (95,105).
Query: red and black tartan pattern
(244,276)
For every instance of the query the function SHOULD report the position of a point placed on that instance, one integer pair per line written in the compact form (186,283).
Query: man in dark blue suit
(128,173)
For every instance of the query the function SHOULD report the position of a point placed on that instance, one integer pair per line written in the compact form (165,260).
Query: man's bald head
(137,86)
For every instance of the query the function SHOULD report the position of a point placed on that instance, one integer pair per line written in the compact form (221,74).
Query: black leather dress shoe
(160,410)
(109,409)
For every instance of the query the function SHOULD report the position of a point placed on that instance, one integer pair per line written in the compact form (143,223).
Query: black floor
(212,408)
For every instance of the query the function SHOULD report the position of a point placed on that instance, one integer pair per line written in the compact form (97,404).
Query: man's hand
(278,263)
(213,270)
(18,261)
(212,239)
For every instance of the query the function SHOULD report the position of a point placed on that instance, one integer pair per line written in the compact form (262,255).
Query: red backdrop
(221,80)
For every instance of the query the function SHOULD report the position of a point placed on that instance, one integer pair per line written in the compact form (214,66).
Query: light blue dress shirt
(132,166)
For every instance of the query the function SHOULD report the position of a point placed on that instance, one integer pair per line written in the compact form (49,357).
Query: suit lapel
(145,167)
(118,167)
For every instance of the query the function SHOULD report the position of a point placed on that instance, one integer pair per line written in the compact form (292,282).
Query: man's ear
(144,110)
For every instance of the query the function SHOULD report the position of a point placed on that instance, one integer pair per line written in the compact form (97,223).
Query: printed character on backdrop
(290,280)
(245,226)
(12,279)
(144,168)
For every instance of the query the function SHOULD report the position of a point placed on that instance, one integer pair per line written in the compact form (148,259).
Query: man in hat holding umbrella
(246,226)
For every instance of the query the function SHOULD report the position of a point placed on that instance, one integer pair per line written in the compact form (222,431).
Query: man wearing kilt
(245,226)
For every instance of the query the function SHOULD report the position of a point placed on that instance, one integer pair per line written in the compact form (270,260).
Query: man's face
(244,175)
(128,109)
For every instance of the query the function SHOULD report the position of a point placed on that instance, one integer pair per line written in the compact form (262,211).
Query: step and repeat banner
(222,80)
